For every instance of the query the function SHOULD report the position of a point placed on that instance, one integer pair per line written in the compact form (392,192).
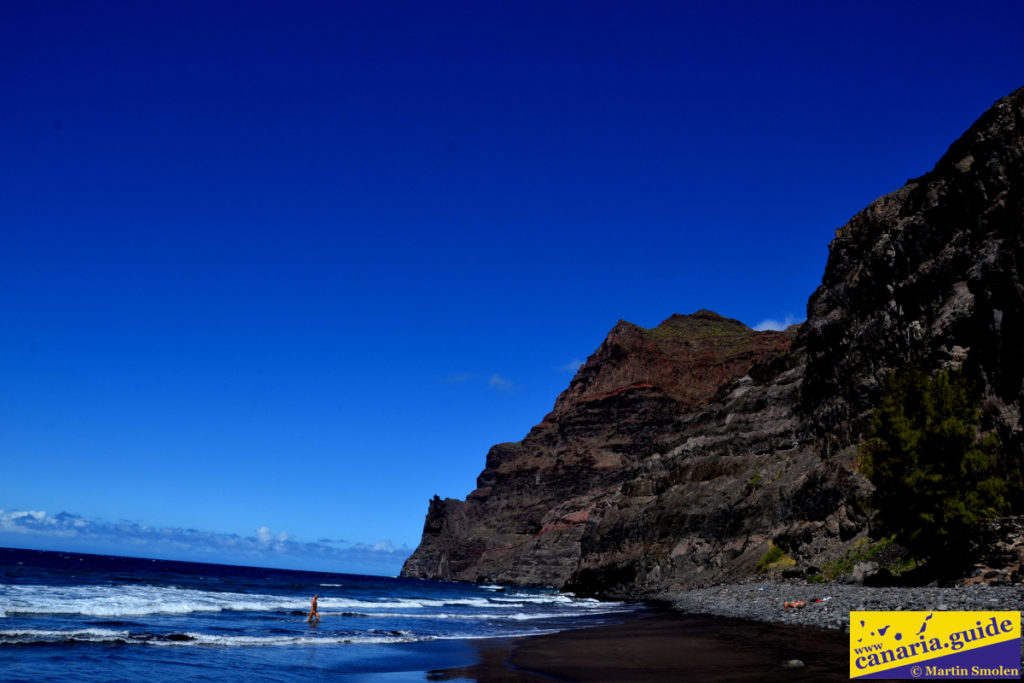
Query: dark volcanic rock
(929,274)
(689,357)
(678,454)
(653,462)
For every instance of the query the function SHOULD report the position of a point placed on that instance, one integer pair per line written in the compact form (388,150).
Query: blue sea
(74,617)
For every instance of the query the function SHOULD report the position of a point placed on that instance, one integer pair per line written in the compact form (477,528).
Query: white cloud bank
(773,324)
(65,531)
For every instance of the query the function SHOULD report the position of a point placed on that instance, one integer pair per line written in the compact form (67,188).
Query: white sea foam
(280,641)
(92,635)
(476,616)
(96,635)
(140,600)
(427,603)
(133,601)
(556,599)
(195,639)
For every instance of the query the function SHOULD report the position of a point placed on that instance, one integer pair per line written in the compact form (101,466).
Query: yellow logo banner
(931,645)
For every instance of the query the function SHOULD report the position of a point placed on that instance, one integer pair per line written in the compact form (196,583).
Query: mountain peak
(688,357)
(702,322)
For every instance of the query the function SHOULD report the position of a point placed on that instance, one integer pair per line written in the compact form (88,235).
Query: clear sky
(274,274)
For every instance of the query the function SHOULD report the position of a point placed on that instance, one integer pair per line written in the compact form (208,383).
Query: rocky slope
(679,454)
(929,274)
(538,501)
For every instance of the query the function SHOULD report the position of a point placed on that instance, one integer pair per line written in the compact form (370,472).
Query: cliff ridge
(678,455)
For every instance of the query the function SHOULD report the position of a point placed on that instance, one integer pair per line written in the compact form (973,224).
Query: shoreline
(733,632)
(828,605)
(664,645)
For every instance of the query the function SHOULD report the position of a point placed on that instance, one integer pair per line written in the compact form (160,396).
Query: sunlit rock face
(678,453)
(651,465)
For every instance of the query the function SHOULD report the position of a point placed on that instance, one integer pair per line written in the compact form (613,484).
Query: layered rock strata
(679,454)
(675,454)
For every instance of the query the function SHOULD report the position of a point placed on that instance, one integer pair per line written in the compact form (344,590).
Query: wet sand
(666,646)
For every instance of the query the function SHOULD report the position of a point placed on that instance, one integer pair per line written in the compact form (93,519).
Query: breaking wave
(37,637)
(137,601)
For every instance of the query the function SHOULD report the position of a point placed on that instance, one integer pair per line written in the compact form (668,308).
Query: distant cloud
(500,383)
(269,540)
(572,366)
(381,547)
(264,545)
(773,324)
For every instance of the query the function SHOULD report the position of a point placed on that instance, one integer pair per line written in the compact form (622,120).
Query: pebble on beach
(829,605)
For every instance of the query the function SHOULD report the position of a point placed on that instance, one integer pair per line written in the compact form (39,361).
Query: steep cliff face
(662,435)
(930,274)
(679,453)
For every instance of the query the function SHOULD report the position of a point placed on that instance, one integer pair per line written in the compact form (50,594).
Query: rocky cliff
(930,274)
(679,454)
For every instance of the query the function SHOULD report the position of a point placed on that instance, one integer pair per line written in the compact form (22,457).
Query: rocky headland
(688,454)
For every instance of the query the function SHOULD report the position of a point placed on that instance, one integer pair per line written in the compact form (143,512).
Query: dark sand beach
(739,632)
(666,646)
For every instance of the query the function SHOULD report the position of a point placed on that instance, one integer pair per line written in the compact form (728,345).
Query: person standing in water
(313,614)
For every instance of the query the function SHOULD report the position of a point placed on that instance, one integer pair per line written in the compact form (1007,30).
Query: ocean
(76,617)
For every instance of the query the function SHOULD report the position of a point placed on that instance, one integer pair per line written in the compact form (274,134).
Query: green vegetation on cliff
(775,558)
(934,477)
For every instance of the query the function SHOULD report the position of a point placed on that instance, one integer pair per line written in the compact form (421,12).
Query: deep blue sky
(274,274)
